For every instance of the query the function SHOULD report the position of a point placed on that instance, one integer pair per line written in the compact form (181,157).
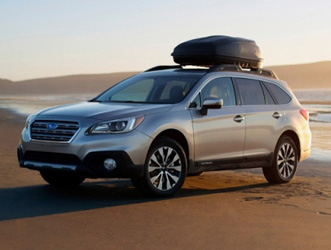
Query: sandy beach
(218,210)
(181,55)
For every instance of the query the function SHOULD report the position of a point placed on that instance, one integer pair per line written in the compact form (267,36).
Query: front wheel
(285,162)
(62,179)
(165,169)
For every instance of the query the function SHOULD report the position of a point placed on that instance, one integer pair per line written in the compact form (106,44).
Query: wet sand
(218,210)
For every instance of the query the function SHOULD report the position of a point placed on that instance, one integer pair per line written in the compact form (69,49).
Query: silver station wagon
(168,122)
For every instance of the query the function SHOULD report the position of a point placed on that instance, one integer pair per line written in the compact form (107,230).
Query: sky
(44,38)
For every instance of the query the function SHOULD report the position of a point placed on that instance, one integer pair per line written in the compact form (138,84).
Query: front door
(219,135)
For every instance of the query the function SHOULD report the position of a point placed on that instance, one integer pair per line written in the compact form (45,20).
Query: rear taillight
(305,114)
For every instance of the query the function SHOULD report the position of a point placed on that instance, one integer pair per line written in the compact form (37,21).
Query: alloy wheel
(164,168)
(286,160)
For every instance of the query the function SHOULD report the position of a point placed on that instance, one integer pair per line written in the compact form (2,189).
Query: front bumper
(86,153)
(91,166)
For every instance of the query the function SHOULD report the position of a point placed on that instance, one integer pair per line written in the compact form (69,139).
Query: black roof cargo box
(214,50)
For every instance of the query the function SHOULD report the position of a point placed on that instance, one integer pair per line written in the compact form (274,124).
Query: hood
(105,110)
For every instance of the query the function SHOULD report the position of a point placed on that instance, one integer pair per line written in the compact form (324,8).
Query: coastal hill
(92,83)
(305,76)
(300,76)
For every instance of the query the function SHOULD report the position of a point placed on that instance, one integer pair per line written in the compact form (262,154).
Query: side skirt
(230,164)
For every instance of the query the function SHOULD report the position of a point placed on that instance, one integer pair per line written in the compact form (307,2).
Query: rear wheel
(165,169)
(62,179)
(285,162)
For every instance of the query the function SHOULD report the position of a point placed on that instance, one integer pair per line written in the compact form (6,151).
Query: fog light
(109,164)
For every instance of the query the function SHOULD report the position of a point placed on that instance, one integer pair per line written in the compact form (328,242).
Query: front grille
(46,157)
(56,131)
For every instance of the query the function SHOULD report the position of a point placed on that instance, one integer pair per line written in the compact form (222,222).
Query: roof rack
(163,67)
(266,72)
(234,67)
(223,67)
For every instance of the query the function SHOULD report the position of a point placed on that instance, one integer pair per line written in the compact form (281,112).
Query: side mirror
(211,103)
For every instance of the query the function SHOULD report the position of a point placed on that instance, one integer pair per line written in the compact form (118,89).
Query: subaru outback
(161,125)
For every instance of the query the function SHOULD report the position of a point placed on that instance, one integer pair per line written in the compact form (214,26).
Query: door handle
(276,115)
(238,118)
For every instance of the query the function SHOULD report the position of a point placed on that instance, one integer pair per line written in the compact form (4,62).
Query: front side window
(157,89)
(220,88)
(250,91)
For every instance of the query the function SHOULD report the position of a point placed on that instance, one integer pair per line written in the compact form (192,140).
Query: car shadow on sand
(40,200)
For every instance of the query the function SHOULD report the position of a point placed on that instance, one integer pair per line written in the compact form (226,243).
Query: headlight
(27,122)
(116,126)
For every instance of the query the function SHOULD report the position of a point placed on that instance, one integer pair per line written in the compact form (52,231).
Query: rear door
(218,135)
(264,119)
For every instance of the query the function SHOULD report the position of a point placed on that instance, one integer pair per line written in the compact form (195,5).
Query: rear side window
(250,91)
(281,96)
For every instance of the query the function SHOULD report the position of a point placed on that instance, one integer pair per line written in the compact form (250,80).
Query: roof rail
(163,67)
(234,67)
(266,72)
(225,67)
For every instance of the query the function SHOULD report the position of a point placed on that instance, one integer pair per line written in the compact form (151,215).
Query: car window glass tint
(138,91)
(220,88)
(172,86)
(281,96)
(250,91)
(155,88)
(196,102)
(268,98)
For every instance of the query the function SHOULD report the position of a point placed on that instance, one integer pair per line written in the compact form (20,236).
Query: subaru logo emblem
(51,126)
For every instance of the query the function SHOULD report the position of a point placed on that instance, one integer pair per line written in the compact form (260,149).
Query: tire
(285,161)
(165,169)
(62,179)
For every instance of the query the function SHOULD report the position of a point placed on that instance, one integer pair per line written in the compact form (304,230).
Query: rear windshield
(162,89)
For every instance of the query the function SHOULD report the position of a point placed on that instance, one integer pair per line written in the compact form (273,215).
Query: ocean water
(313,95)
(317,102)
(26,105)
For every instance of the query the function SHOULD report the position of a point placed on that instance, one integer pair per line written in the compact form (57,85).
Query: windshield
(151,89)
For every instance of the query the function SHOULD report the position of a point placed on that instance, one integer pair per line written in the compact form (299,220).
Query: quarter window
(196,102)
(220,88)
(250,91)
(281,96)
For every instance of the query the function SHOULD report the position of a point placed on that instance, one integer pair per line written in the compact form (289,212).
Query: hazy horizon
(137,71)
(45,39)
